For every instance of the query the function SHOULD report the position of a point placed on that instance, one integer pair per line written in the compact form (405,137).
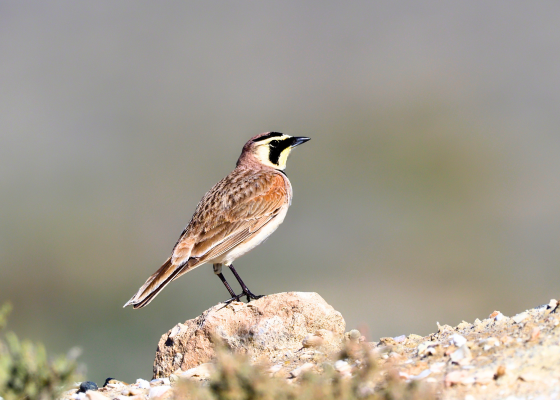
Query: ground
(498,357)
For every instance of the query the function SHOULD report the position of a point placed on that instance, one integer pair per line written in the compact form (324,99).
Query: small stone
(354,335)
(88,385)
(421,375)
(342,366)
(462,355)
(203,371)
(520,317)
(427,349)
(484,377)
(489,343)
(142,383)
(535,333)
(312,341)
(499,317)
(131,391)
(404,375)
(455,377)
(458,340)
(444,328)
(176,330)
(301,369)
(158,391)
(400,338)
(113,383)
(506,340)
(463,325)
(160,381)
(94,395)
(501,371)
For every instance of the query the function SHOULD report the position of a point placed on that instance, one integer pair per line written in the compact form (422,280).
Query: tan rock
(93,395)
(203,371)
(267,328)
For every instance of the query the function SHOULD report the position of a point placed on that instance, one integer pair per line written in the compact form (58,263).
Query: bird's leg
(218,271)
(246,290)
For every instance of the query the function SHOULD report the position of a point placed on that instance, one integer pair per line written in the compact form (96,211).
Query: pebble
(484,377)
(499,317)
(500,371)
(163,381)
(462,355)
(489,343)
(91,395)
(520,317)
(354,335)
(131,391)
(301,369)
(426,349)
(176,330)
(343,368)
(458,340)
(455,377)
(142,383)
(158,391)
(203,371)
(421,375)
(535,333)
(312,341)
(88,385)
(400,338)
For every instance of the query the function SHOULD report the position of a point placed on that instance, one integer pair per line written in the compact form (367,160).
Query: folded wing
(223,219)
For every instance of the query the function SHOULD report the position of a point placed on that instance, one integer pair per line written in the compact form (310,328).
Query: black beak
(296,141)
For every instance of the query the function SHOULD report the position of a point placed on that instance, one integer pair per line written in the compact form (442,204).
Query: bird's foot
(251,296)
(246,292)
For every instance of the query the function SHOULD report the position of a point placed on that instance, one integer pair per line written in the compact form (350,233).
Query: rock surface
(294,334)
(270,329)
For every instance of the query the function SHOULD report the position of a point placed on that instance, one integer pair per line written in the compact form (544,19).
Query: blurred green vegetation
(25,370)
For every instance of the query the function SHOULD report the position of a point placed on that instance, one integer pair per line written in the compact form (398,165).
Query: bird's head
(271,149)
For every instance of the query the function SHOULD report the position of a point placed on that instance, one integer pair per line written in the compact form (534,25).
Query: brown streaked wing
(242,219)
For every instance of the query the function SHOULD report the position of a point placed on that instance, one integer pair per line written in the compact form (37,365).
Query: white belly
(258,238)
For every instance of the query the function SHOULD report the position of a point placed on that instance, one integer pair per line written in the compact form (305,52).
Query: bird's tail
(155,283)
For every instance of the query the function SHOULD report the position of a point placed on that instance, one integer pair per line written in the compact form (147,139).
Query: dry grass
(236,378)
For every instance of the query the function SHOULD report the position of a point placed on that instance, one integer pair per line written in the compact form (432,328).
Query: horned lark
(236,215)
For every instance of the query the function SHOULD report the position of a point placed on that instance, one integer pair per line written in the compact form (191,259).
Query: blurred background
(429,191)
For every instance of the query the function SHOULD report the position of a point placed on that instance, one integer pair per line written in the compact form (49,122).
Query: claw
(250,296)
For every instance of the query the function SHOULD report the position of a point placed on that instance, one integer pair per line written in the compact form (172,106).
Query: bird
(236,215)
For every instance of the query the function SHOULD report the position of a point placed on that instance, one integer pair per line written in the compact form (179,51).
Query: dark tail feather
(155,284)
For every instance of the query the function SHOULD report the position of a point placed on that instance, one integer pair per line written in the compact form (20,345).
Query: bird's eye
(274,143)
